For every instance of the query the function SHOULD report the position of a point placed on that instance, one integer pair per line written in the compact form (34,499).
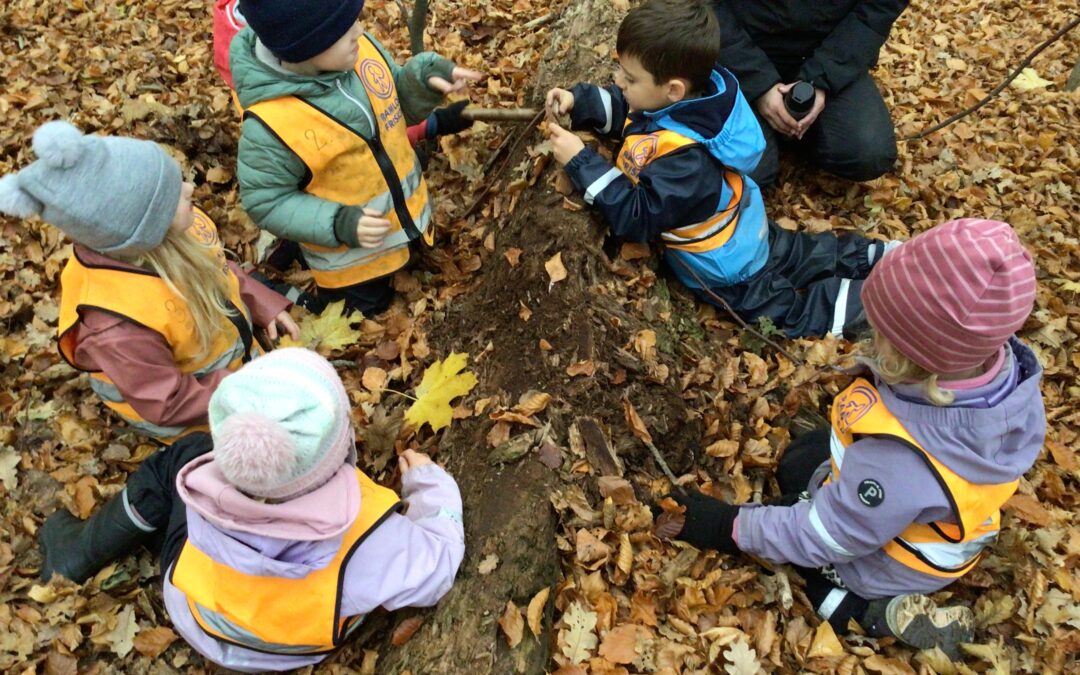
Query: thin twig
(405,14)
(502,169)
(738,319)
(663,465)
(997,90)
(539,21)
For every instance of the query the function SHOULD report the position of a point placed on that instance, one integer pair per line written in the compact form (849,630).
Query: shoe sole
(925,625)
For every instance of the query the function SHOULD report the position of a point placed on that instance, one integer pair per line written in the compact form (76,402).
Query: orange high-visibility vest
(638,150)
(275,614)
(380,173)
(942,549)
(141,297)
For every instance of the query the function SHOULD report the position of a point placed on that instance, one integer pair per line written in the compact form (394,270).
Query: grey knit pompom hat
(117,196)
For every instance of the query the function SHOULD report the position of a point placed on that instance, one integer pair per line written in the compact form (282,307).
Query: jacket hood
(720,120)
(255,79)
(323,513)
(990,445)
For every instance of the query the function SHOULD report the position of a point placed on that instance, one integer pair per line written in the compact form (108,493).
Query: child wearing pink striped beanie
(947,301)
(901,494)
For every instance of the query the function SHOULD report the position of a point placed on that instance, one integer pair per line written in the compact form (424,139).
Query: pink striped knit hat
(951,297)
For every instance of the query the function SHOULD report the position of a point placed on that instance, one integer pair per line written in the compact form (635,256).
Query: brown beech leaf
(634,420)
(620,644)
(1028,508)
(587,368)
(513,256)
(668,525)
(405,630)
(512,624)
(374,379)
(535,612)
(153,641)
(555,269)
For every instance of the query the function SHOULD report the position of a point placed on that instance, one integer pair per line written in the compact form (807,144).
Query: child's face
(185,210)
(641,90)
(342,55)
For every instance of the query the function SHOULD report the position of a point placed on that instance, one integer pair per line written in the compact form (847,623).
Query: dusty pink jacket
(140,363)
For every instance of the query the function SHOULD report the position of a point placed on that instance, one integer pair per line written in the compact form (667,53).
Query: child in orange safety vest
(324,157)
(148,304)
(902,495)
(274,546)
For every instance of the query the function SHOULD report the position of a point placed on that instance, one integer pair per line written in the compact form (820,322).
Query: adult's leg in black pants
(854,137)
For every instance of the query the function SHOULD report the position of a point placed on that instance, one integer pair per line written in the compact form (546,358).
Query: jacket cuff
(345,225)
(813,72)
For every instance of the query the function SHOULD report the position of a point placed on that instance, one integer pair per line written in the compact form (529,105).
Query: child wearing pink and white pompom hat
(275,545)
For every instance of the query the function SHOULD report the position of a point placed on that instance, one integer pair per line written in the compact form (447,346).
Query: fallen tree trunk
(574,321)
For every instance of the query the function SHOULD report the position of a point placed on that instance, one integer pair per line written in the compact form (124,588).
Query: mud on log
(507,507)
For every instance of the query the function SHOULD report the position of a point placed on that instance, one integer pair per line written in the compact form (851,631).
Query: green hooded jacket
(269,173)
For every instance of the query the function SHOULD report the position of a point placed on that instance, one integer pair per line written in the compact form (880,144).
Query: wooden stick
(499,114)
(502,169)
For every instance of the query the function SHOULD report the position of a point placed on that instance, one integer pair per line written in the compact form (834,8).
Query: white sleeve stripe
(600,183)
(840,309)
(134,517)
(605,98)
(819,527)
(831,602)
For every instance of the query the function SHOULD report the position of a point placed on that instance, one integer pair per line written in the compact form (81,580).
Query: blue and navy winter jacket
(680,177)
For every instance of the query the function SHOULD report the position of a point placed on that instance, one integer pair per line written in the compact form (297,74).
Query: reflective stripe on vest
(141,297)
(381,173)
(940,549)
(276,614)
(639,150)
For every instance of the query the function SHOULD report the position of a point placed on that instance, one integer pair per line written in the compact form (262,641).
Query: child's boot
(77,549)
(917,621)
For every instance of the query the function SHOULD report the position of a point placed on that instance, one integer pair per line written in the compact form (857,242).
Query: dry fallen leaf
(535,612)
(555,269)
(374,379)
(488,564)
(153,641)
(405,630)
(512,624)
(634,420)
(326,332)
(578,639)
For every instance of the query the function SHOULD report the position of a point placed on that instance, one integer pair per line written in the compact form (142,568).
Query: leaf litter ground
(628,603)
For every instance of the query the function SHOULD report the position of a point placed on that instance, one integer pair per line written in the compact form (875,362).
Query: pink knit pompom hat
(951,297)
(281,425)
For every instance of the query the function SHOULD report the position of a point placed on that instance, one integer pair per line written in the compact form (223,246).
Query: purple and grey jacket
(409,560)
(991,434)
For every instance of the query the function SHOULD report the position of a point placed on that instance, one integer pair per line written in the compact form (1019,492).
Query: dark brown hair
(672,38)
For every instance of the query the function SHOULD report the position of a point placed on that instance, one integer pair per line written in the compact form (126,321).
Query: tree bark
(507,507)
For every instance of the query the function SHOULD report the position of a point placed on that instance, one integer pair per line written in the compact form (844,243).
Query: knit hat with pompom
(117,196)
(281,425)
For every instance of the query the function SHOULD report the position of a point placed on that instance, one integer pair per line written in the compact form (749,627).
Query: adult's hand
(770,105)
(819,105)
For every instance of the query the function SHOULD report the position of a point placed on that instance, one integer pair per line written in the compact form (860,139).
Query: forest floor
(627,601)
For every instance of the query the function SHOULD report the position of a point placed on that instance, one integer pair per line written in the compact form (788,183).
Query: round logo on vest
(642,151)
(871,493)
(376,78)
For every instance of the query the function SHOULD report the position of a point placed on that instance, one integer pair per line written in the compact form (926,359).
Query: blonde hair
(189,269)
(893,367)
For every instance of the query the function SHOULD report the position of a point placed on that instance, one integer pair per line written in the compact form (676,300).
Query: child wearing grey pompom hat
(149,306)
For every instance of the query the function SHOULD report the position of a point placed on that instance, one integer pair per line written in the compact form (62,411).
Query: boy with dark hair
(688,139)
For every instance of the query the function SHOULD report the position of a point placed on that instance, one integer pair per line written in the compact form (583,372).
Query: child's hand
(410,459)
(283,324)
(559,101)
(564,144)
(462,76)
(372,228)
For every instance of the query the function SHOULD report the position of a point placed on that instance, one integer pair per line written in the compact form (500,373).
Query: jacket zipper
(386,166)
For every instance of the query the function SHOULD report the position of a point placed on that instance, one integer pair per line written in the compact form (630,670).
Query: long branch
(997,90)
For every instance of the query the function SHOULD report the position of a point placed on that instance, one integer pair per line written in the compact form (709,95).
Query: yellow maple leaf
(1029,79)
(327,331)
(443,381)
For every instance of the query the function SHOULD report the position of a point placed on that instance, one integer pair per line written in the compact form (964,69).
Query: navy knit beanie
(296,30)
